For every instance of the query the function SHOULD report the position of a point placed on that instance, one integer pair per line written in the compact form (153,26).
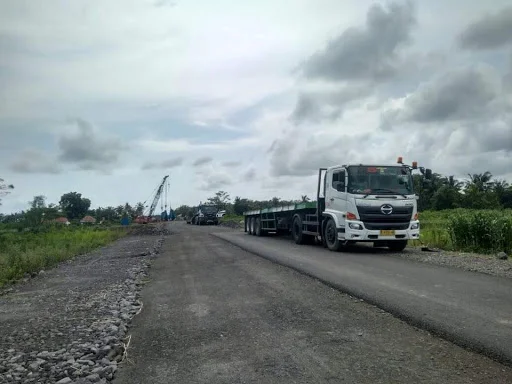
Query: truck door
(336,197)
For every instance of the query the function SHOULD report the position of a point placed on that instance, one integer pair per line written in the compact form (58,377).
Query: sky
(105,98)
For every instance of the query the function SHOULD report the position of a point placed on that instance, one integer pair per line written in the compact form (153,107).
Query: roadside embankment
(71,323)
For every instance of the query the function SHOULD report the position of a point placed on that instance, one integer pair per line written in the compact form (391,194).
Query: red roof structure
(88,219)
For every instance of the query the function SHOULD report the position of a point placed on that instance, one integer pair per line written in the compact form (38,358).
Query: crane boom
(157,197)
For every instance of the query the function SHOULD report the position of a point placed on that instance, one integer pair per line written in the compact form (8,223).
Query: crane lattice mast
(157,197)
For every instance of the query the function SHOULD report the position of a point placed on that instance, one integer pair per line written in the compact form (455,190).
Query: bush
(481,231)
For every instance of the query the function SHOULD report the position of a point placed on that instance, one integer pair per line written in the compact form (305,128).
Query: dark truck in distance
(355,203)
(206,214)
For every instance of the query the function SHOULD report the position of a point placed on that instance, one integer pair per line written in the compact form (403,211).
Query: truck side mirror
(428,174)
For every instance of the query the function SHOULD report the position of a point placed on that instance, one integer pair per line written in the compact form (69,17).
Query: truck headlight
(355,226)
(415,226)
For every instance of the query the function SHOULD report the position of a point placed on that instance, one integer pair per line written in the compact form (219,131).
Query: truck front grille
(374,219)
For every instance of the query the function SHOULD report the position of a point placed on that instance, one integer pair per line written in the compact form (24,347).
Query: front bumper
(364,234)
(208,220)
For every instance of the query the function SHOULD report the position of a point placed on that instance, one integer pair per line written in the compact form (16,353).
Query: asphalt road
(471,309)
(214,313)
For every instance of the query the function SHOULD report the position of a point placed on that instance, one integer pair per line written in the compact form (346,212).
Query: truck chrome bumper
(375,235)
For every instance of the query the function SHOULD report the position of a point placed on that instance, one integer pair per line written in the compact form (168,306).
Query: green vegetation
(470,230)
(232,219)
(479,191)
(31,240)
(32,251)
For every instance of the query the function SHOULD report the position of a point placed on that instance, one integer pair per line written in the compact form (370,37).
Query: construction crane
(147,218)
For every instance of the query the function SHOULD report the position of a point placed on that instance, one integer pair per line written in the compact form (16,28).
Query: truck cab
(368,203)
(206,214)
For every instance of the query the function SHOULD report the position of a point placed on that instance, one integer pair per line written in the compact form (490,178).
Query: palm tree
(480,181)
(452,182)
(304,198)
(4,189)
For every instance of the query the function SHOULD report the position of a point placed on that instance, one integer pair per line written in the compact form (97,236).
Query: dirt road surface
(214,313)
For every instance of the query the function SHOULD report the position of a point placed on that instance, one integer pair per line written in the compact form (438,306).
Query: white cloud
(165,83)
(183,145)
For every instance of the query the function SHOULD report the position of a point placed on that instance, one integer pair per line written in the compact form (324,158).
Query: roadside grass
(232,221)
(469,230)
(31,251)
(231,218)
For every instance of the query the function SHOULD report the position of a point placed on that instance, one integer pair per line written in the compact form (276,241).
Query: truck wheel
(331,237)
(257,227)
(397,245)
(297,234)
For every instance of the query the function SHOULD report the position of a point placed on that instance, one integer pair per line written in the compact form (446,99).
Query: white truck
(355,203)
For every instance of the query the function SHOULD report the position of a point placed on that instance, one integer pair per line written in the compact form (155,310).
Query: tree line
(478,191)
(73,207)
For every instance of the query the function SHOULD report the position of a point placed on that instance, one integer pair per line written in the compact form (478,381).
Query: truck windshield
(208,209)
(380,180)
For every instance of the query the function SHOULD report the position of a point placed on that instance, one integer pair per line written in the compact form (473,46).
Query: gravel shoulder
(473,262)
(69,324)
(214,313)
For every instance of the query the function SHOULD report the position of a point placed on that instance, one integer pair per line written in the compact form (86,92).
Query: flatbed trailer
(347,210)
(279,220)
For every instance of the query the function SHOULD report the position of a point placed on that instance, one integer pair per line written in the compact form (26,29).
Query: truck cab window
(338,181)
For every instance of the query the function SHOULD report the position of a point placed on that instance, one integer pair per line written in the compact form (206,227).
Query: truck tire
(257,227)
(331,237)
(397,245)
(297,234)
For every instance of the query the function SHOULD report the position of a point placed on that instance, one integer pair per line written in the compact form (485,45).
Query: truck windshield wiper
(390,191)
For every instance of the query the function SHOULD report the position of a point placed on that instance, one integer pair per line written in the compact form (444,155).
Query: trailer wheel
(257,227)
(248,225)
(251,226)
(331,237)
(397,245)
